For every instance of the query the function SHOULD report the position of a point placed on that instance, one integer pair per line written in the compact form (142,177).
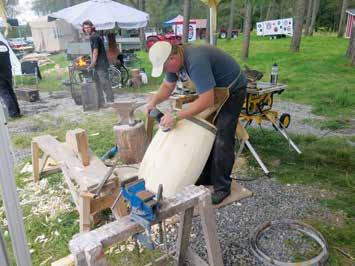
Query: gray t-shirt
(208,67)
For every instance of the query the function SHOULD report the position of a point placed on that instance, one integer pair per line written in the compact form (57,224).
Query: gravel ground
(235,222)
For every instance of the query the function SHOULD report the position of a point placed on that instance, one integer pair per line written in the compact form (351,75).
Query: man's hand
(148,108)
(168,121)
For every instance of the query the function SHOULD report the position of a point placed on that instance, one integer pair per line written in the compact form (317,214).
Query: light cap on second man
(158,54)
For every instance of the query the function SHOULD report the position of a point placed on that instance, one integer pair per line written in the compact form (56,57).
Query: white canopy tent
(105,14)
(15,63)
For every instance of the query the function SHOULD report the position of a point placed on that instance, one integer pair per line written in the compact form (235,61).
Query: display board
(275,27)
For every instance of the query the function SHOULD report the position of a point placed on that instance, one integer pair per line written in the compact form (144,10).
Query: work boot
(219,196)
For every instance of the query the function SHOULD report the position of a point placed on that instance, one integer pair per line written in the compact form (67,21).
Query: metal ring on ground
(302,227)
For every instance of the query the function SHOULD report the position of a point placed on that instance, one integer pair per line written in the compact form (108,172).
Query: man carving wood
(210,69)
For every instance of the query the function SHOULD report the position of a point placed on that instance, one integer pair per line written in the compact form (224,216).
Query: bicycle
(118,74)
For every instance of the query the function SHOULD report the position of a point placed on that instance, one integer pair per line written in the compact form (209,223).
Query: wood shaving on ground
(46,200)
(26,169)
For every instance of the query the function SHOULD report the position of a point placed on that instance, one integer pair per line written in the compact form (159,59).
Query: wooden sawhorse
(88,248)
(82,171)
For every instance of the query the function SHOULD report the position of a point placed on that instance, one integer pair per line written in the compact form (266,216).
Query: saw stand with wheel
(258,107)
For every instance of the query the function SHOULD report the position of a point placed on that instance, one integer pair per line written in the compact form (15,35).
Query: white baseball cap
(158,54)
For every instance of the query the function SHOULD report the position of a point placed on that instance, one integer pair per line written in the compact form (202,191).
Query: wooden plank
(195,259)
(66,261)
(43,162)
(78,140)
(72,188)
(35,160)
(209,227)
(184,235)
(105,202)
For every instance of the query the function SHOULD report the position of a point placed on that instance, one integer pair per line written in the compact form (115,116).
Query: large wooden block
(29,95)
(132,142)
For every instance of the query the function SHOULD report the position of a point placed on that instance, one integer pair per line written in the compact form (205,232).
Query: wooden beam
(66,261)
(209,227)
(77,139)
(35,161)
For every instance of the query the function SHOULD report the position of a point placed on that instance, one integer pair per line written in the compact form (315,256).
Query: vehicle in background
(223,33)
(17,43)
(168,37)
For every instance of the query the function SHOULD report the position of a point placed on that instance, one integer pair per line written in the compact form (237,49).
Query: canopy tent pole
(213,19)
(10,198)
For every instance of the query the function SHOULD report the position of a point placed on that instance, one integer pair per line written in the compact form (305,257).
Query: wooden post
(78,140)
(209,227)
(84,212)
(35,161)
(132,141)
(184,235)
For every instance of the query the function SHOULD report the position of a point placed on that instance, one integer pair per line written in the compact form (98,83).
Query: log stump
(132,142)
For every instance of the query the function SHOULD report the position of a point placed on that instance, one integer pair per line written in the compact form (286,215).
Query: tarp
(15,63)
(105,14)
(177,20)
(52,36)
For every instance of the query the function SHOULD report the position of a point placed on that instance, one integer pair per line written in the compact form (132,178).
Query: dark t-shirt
(5,63)
(208,67)
(97,42)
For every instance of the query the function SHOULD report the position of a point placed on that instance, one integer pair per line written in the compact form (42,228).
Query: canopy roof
(105,14)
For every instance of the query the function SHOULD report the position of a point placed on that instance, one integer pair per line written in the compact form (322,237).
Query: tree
(231,19)
(246,30)
(186,8)
(315,10)
(298,19)
(270,10)
(308,17)
(341,26)
(350,53)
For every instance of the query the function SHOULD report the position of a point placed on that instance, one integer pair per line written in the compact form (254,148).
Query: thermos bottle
(274,74)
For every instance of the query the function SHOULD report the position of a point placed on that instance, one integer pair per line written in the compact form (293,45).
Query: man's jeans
(220,162)
(103,84)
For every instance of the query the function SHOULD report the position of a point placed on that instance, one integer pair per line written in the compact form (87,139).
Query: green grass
(319,75)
